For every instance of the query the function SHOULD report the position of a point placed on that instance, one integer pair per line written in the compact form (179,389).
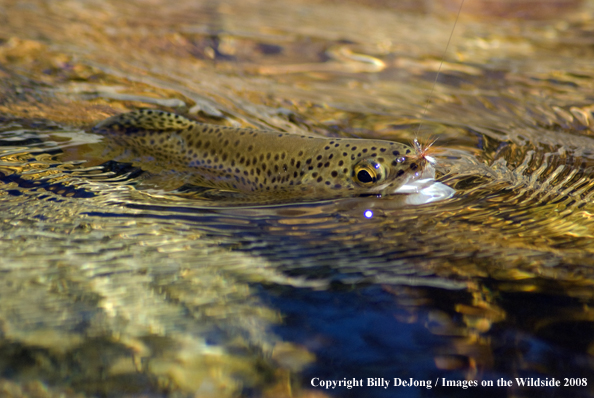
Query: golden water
(116,283)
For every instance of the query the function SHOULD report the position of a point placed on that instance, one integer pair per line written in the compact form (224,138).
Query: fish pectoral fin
(144,120)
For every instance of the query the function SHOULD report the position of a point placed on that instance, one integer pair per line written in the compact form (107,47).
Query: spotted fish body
(260,161)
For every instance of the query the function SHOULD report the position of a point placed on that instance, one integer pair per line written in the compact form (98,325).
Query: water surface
(120,283)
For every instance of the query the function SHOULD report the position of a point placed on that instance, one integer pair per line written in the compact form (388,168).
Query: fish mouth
(422,188)
(417,181)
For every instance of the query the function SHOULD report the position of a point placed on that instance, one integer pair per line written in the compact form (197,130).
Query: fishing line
(439,69)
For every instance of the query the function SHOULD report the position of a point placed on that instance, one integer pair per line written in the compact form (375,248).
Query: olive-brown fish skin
(248,160)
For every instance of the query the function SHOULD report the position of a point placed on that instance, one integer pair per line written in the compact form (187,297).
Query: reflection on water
(116,284)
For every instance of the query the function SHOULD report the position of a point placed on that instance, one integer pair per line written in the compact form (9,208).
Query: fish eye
(368,172)
(364,177)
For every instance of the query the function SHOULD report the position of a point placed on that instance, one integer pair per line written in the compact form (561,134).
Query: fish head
(388,173)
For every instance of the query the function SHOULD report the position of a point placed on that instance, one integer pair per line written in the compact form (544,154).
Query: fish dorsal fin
(144,119)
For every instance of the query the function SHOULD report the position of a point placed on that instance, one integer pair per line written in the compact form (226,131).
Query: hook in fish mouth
(422,151)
